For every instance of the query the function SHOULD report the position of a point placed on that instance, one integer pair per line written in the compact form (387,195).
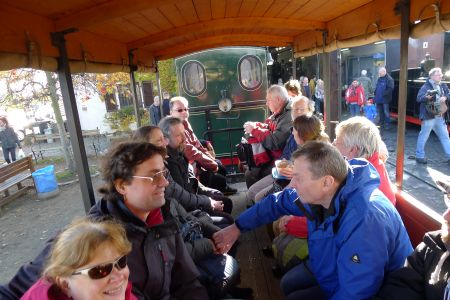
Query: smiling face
(141,195)
(111,287)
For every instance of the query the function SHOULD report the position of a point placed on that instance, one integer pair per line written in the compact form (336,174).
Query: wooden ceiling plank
(240,23)
(291,8)
(171,13)
(276,8)
(203,8)
(247,8)
(144,23)
(187,10)
(311,6)
(220,41)
(261,8)
(232,8)
(158,19)
(107,11)
(218,9)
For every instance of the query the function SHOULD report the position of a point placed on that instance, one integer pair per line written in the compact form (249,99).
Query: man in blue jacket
(383,96)
(433,119)
(355,235)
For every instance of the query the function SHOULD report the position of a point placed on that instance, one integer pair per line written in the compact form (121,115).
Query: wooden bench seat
(12,175)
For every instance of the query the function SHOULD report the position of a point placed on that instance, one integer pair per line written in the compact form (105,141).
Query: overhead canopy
(108,29)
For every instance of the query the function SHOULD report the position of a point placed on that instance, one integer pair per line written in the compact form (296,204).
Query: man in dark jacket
(383,96)
(155,111)
(433,119)
(272,133)
(178,165)
(426,274)
(160,266)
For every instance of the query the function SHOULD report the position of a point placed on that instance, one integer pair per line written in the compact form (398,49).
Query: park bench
(12,175)
(39,140)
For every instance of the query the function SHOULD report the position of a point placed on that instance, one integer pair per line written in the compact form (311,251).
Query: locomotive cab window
(250,72)
(194,78)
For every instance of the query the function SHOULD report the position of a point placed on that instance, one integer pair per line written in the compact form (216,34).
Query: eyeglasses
(103,270)
(180,110)
(157,177)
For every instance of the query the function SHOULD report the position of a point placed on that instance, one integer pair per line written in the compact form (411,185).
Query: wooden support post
(136,102)
(73,120)
(402,9)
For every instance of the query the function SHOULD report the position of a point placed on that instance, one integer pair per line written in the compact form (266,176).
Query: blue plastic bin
(45,180)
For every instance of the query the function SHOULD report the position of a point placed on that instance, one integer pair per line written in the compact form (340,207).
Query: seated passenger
(272,134)
(426,274)
(299,106)
(355,235)
(190,201)
(358,137)
(210,171)
(88,261)
(173,131)
(135,180)
(293,88)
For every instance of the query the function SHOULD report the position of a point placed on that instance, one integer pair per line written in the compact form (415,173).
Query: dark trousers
(256,173)
(7,152)
(383,114)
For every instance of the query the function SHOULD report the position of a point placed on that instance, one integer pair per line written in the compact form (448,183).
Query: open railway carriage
(128,35)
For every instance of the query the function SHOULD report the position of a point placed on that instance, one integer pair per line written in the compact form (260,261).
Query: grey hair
(278,91)
(434,70)
(178,99)
(166,123)
(360,132)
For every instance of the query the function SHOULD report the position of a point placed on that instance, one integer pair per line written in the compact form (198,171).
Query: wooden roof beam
(223,40)
(219,24)
(106,11)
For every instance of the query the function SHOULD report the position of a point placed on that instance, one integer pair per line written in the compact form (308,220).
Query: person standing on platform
(433,97)
(383,96)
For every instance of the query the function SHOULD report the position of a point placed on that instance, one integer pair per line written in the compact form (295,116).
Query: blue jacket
(291,146)
(424,114)
(354,247)
(383,89)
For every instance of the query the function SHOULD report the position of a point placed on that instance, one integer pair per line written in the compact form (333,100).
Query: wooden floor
(255,267)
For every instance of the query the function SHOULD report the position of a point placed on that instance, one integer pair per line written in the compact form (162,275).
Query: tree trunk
(51,81)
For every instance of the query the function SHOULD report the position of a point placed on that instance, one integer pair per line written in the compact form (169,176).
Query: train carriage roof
(102,32)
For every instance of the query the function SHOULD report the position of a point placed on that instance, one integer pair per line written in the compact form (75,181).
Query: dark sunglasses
(103,270)
(180,110)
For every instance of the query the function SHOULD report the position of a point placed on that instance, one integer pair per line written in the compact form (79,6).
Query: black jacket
(190,201)
(160,266)
(412,282)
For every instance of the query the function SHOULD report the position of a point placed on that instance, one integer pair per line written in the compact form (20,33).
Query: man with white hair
(155,111)
(433,119)
(383,96)
(366,83)
(272,133)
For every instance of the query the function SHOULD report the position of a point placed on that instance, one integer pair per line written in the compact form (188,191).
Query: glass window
(194,78)
(250,72)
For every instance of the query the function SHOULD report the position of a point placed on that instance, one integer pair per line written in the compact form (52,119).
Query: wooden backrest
(417,217)
(16,167)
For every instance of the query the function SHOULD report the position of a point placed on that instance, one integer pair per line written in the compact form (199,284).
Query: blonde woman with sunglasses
(88,261)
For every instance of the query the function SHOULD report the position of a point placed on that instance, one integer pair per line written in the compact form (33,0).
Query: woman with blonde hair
(88,261)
